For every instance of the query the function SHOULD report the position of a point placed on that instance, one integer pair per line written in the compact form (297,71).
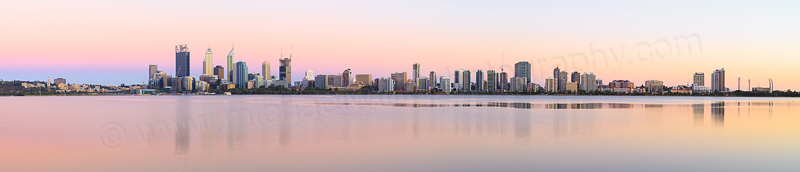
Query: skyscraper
(551,85)
(230,66)
(491,76)
(286,69)
(207,63)
(365,79)
(576,78)
(718,80)
(556,73)
(265,70)
(503,81)
(399,80)
(588,82)
(444,84)
(479,80)
(181,60)
(458,75)
(346,74)
(416,72)
(523,69)
(699,79)
(153,71)
(562,80)
(466,81)
(220,72)
(241,74)
(432,80)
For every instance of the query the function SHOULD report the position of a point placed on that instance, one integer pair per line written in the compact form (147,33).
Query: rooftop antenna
(502,61)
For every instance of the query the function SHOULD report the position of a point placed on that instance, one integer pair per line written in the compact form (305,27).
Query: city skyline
(83,55)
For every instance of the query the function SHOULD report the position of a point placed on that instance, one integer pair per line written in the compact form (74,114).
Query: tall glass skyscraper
(181,60)
(207,63)
(241,74)
(286,69)
(523,69)
(230,65)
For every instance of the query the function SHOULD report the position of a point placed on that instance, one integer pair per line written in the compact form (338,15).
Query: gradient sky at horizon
(113,42)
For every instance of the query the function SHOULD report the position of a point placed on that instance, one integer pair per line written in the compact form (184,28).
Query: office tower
(321,81)
(699,79)
(337,81)
(589,82)
(188,83)
(556,72)
(181,60)
(432,80)
(415,72)
(241,74)
(399,80)
(346,77)
(503,81)
(48,82)
(551,85)
(265,70)
(253,76)
(491,76)
(207,63)
(576,78)
(572,87)
(718,80)
(365,79)
(60,81)
(309,75)
(654,86)
(444,84)
(458,75)
(562,81)
(220,72)
(231,66)
(465,81)
(153,71)
(286,69)
(479,80)
(523,69)
(518,84)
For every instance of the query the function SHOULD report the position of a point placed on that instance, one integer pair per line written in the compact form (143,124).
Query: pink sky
(113,42)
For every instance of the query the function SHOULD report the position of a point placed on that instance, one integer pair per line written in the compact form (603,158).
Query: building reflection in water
(522,125)
(718,114)
(182,130)
(285,128)
(699,113)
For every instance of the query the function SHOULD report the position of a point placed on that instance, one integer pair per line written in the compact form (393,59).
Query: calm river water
(399,133)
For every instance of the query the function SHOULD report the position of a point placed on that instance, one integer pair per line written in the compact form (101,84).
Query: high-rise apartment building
(208,63)
(309,75)
(503,81)
(551,85)
(220,72)
(654,86)
(182,60)
(518,84)
(562,80)
(386,84)
(523,69)
(589,82)
(444,84)
(241,74)
(423,84)
(479,80)
(399,80)
(265,70)
(458,75)
(699,79)
(718,80)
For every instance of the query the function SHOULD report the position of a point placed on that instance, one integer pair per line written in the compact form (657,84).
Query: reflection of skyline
(718,114)
(182,130)
(699,114)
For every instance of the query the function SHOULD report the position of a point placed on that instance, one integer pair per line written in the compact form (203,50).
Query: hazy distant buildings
(444,84)
(153,70)
(309,75)
(365,79)
(59,81)
(182,60)
(523,69)
(718,80)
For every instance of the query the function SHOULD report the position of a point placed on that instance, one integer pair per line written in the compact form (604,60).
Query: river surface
(399,133)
